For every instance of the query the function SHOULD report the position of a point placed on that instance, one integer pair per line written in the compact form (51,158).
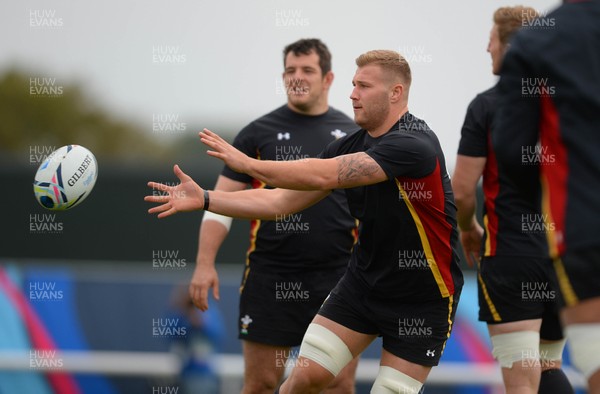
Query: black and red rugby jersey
(514,226)
(407,235)
(549,103)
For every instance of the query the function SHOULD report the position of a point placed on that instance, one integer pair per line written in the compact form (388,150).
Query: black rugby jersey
(513,226)
(407,234)
(549,103)
(320,236)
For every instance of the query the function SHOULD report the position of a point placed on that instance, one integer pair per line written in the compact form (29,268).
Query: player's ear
(396,92)
(328,79)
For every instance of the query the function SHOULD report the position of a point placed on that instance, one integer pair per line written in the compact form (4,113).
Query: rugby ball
(65,178)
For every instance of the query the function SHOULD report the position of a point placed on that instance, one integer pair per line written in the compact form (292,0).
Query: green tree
(37,111)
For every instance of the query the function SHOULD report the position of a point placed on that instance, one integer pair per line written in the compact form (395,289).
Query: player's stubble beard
(307,96)
(303,101)
(372,117)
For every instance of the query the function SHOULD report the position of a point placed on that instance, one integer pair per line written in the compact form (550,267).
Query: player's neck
(390,121)
(313,110)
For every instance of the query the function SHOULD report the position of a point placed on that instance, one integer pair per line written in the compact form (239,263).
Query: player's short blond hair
(390,61)
(511,19)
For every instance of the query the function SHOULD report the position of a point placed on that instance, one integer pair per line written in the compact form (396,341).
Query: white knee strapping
(552,351)
(584,342)
(224,220)
(515,346)
(325,348)
(392,381)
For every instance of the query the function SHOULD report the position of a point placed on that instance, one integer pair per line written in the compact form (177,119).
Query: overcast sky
(199,62)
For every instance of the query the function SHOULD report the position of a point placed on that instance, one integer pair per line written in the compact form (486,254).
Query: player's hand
(223,150)
(471,243)
(186,196)
(205,277)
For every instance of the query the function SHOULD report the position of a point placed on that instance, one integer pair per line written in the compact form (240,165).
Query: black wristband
(206,200)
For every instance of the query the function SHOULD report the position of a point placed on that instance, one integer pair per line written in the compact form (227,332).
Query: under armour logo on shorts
(430,353)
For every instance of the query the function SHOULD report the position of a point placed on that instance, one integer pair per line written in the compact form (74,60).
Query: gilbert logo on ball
(65,178)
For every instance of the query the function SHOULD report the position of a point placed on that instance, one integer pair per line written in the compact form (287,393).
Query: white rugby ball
(65,178)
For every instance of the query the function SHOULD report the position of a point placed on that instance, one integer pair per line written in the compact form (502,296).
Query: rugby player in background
(515,279)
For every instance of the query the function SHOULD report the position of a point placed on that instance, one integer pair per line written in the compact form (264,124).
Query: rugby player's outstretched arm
(345,171)
(266,204)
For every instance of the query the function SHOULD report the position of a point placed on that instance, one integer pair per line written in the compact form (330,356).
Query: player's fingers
(209,133)
(197,297)
(204,134)
(183,177)
(169,212)
(192,292)
(212,153)
(211,142)
(216,289)
(214,137)
(159,209)
(159,186)
(159,199)
(203,298)
(208,142)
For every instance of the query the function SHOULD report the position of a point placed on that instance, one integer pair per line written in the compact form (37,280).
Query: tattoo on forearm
(354,166)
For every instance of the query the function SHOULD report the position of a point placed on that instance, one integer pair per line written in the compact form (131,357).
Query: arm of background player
(267,204)
(467,172)
(211,236)
(356,169)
